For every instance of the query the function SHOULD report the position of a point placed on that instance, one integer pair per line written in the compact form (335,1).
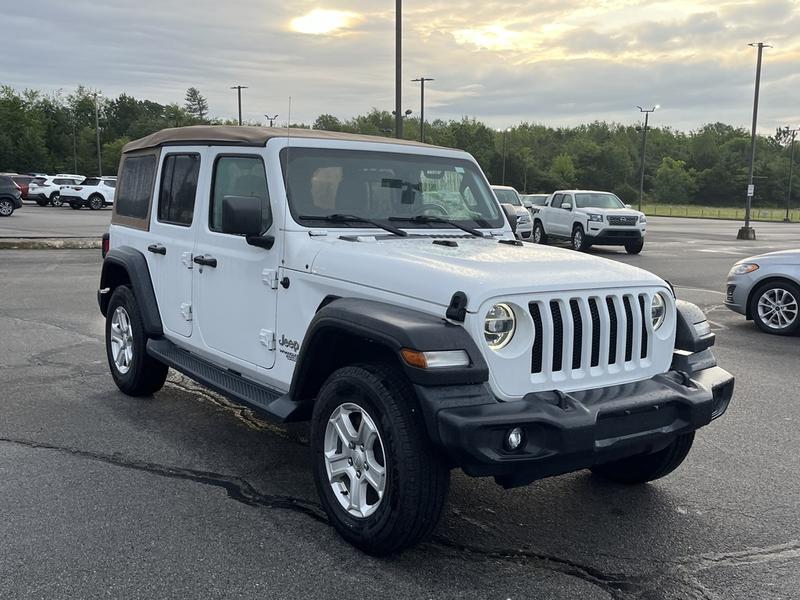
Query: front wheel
(379,479)
(6,208)
(55,199)
(647,467)
(96,203)
(634,247)
(774,307)
(579,240)
(539,235)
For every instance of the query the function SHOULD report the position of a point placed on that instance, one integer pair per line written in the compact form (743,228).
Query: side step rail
(267,401)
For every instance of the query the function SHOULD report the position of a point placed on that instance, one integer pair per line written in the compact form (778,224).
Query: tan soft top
(225,135)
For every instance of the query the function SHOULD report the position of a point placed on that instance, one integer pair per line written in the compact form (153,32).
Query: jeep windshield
(385,186)
(584,200)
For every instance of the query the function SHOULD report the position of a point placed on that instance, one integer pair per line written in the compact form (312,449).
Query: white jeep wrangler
(373,287)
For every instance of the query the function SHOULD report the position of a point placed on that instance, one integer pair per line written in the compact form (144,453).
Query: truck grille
(590,335)
(622,220)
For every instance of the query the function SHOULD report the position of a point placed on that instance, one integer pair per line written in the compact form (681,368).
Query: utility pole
(398,69)
(271,119)
(421,81)
(505,133)
(747,232)
(239,89)
(793,133)
(97,131)
(644,149)
(74,142)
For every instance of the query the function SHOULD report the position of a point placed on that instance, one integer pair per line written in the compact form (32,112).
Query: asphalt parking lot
(34,221)
(184,496)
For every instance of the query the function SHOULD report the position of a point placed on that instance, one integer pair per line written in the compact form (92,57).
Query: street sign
(750,189)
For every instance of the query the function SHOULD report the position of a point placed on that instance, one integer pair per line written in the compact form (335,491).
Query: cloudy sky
(557,62)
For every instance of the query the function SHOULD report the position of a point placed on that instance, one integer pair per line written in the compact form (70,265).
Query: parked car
(10,196)
(48,191)
(766,290)
(533,202)
(23,181)
(94,192)
(589,218)
(508,195)
(316,285)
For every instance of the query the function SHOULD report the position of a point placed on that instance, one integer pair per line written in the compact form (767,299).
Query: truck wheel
(135,372)
(539,235)
(380,481)
(579,241)
(55,199)
(6,208)
(96,202)
(634,247)
(647,467)
(774,307)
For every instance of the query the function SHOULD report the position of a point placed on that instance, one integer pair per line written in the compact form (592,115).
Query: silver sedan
(766,289)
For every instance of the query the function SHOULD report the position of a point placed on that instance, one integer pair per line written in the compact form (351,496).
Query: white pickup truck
(589,218)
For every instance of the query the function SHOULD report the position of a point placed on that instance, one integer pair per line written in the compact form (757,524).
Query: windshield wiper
(435,219)
(339,218)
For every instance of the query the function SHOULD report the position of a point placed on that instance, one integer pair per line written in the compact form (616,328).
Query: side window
(556,203)
(138,174)
(178,188)
(568,198)
(242,176)
(62,181)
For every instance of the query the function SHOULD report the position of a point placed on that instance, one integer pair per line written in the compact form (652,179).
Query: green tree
(328,123)
(562,171)
(673,182)
(196,104)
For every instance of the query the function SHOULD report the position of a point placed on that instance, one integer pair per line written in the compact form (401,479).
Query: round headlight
(658,310)
(499,326)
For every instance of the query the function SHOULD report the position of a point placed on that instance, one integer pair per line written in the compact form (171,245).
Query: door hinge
(186,311)
(270,278)
(186,259)
(267,339)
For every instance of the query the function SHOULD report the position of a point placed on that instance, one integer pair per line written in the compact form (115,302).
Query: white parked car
(47,190)
(508,195)
(372,287)
(94,192)
(589,218)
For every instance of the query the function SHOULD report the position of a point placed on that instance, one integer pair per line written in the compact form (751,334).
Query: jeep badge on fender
(416,336)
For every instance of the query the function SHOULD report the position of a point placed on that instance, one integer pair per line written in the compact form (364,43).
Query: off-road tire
(634,247)
(55,199)
(647,467)
(417,479)
(146,375)
(789,287)
(579,241)
(96,202)
(539,228)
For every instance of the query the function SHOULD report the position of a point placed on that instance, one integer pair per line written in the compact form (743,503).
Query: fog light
(514,439)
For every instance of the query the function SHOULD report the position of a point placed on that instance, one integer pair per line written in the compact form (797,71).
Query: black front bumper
(568,432)
(614,237)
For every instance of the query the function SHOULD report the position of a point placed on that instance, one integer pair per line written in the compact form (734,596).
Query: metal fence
(711,212)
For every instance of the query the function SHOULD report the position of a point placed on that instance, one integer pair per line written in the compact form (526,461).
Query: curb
(49,244)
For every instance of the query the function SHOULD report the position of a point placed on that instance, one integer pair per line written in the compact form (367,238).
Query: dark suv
(10,196)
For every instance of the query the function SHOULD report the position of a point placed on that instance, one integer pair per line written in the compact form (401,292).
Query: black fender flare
(126,265)
(390,327)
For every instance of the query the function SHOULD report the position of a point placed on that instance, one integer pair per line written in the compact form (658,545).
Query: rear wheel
(135,372)
(6,208)
(634,247)
(774,307)
(539,235)
(579,240)
(380,481)
(55,199)
(647,467)
(96,202)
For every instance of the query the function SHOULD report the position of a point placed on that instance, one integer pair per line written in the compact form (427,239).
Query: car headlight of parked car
(523,219)
(499,326)
(743,269)
(658,310)
(642,219)
(598,218)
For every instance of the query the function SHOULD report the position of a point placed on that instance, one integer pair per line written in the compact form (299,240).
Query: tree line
(708,166)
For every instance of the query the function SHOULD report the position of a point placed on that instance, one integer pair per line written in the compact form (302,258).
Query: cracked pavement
(183,495)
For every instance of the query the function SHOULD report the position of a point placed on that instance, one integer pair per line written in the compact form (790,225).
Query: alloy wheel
(355,460)
(121,340)
(777,308)
(6,208)
(577,239)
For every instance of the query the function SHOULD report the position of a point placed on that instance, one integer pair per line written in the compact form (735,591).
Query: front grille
(622,220)
(591,332)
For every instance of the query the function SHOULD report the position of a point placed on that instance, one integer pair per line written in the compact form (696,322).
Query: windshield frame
(370,150)
(609,194)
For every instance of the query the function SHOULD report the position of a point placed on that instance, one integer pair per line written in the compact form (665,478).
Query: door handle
(205,261)
(157,249)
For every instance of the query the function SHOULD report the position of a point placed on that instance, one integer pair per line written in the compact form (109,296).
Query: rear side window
(133,198)
(239,176)
(91,182)
(63,181)
(112,183)
(178,188)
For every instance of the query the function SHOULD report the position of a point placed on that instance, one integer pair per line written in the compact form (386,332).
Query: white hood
(481,268)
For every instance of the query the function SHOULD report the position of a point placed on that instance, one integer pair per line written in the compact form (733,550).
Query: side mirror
(628,206)
(527,204)
(241,215)
(511,215)
(566,205)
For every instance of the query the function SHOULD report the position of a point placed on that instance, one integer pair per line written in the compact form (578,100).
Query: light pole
(97,131)
(747,232)
(74,141)
(421,81)
(271,119)
(398,69)
(239,89)
(792,133)
(644,148)
(400,118)
(505,133)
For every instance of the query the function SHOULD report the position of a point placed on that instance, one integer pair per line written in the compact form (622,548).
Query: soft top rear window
(137,178)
